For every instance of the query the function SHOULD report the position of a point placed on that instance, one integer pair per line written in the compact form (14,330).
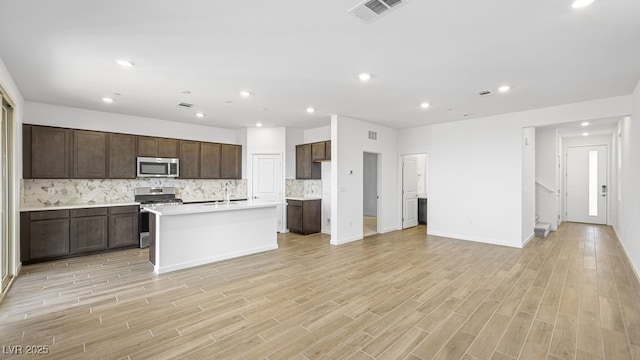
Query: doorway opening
(415,189)
(370,197)
(8,255)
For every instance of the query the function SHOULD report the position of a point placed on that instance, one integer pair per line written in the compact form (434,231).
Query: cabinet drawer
(294,202)
(88,212)
(49,214)
(123,209)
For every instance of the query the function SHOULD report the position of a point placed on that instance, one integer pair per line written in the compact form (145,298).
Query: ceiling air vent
(484,92)
(370,10)
(373,135)
(185,105)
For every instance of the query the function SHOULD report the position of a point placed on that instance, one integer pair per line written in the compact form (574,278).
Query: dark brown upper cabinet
(189,159)
(305,167)
(89,154)
(158,147)
(147,146)
(46,152)
(209,161)
(321,151)
(231,161)
(168,148)
(122,156)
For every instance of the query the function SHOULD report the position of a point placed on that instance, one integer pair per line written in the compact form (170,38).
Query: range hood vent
(370,10)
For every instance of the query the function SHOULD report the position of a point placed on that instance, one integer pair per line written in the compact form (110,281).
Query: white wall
(370,184)
(53,115)
(528,183)
(267,141)
(294,136)
(349,140)
(12,92)
(476,168)
(547,175)
(322,133)
(628,211)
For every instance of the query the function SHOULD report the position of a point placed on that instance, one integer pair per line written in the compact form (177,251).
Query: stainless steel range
(150,197)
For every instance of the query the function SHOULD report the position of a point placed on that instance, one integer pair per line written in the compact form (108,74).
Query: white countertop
(75,206)
(209,207)
(305,198)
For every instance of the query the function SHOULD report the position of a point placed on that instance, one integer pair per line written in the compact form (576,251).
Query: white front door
(409,191)
(267,181)
(586,184)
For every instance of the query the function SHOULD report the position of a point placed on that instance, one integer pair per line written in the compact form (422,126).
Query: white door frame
(563,198)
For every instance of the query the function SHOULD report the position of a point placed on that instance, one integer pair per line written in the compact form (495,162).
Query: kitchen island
(190,235)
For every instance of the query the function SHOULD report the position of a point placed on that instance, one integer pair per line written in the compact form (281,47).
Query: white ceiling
(292,54)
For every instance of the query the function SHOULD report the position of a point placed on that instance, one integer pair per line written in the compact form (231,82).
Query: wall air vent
(370,10)
(373,135)
(185,105)
(485,92)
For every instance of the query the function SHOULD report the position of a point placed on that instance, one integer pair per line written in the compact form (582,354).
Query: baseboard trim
(345,241)
(626,253)
(474,239)
(524,243)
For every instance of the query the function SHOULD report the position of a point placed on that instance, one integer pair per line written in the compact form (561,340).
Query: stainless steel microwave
(158,167)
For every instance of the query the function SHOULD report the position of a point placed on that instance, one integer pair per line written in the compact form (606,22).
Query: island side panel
(194,239)
(152,238)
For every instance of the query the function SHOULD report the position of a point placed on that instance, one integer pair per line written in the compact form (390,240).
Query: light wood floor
(369,225)
(400,295)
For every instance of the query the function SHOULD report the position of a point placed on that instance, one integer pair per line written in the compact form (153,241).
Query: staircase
(542,228)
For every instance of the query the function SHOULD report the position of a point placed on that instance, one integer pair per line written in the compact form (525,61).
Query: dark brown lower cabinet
(55,234)
(49,234)
(123,226)
(304,216)
(88,234)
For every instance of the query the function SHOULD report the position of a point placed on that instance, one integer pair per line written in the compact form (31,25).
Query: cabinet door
(231,162)
(168,148)
(123,230)
(89,154)
(50,149)
(327,150)
(311,216)
(317,151)
(189,159)
(88,234)
(303,161)
(294,217)
(210,161)
(147,146)
(122,156)
(49,238)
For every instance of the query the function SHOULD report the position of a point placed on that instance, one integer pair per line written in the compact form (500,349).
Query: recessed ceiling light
(584,124)
(107,100)
(579,4)
(310,110)
(200,114)
(425,105)
(245,93)
(186,92)
(259,124)
(364,77)
(504,88)
(124,63)
(465,114)
(585,134)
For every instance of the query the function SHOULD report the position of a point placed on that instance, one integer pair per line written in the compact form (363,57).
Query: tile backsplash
(37,192)
(303,188)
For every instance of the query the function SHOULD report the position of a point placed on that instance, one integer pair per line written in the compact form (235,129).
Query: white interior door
(267,181)
(586,184)
(409,191)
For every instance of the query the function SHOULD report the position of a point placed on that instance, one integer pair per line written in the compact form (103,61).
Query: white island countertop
(210,207)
